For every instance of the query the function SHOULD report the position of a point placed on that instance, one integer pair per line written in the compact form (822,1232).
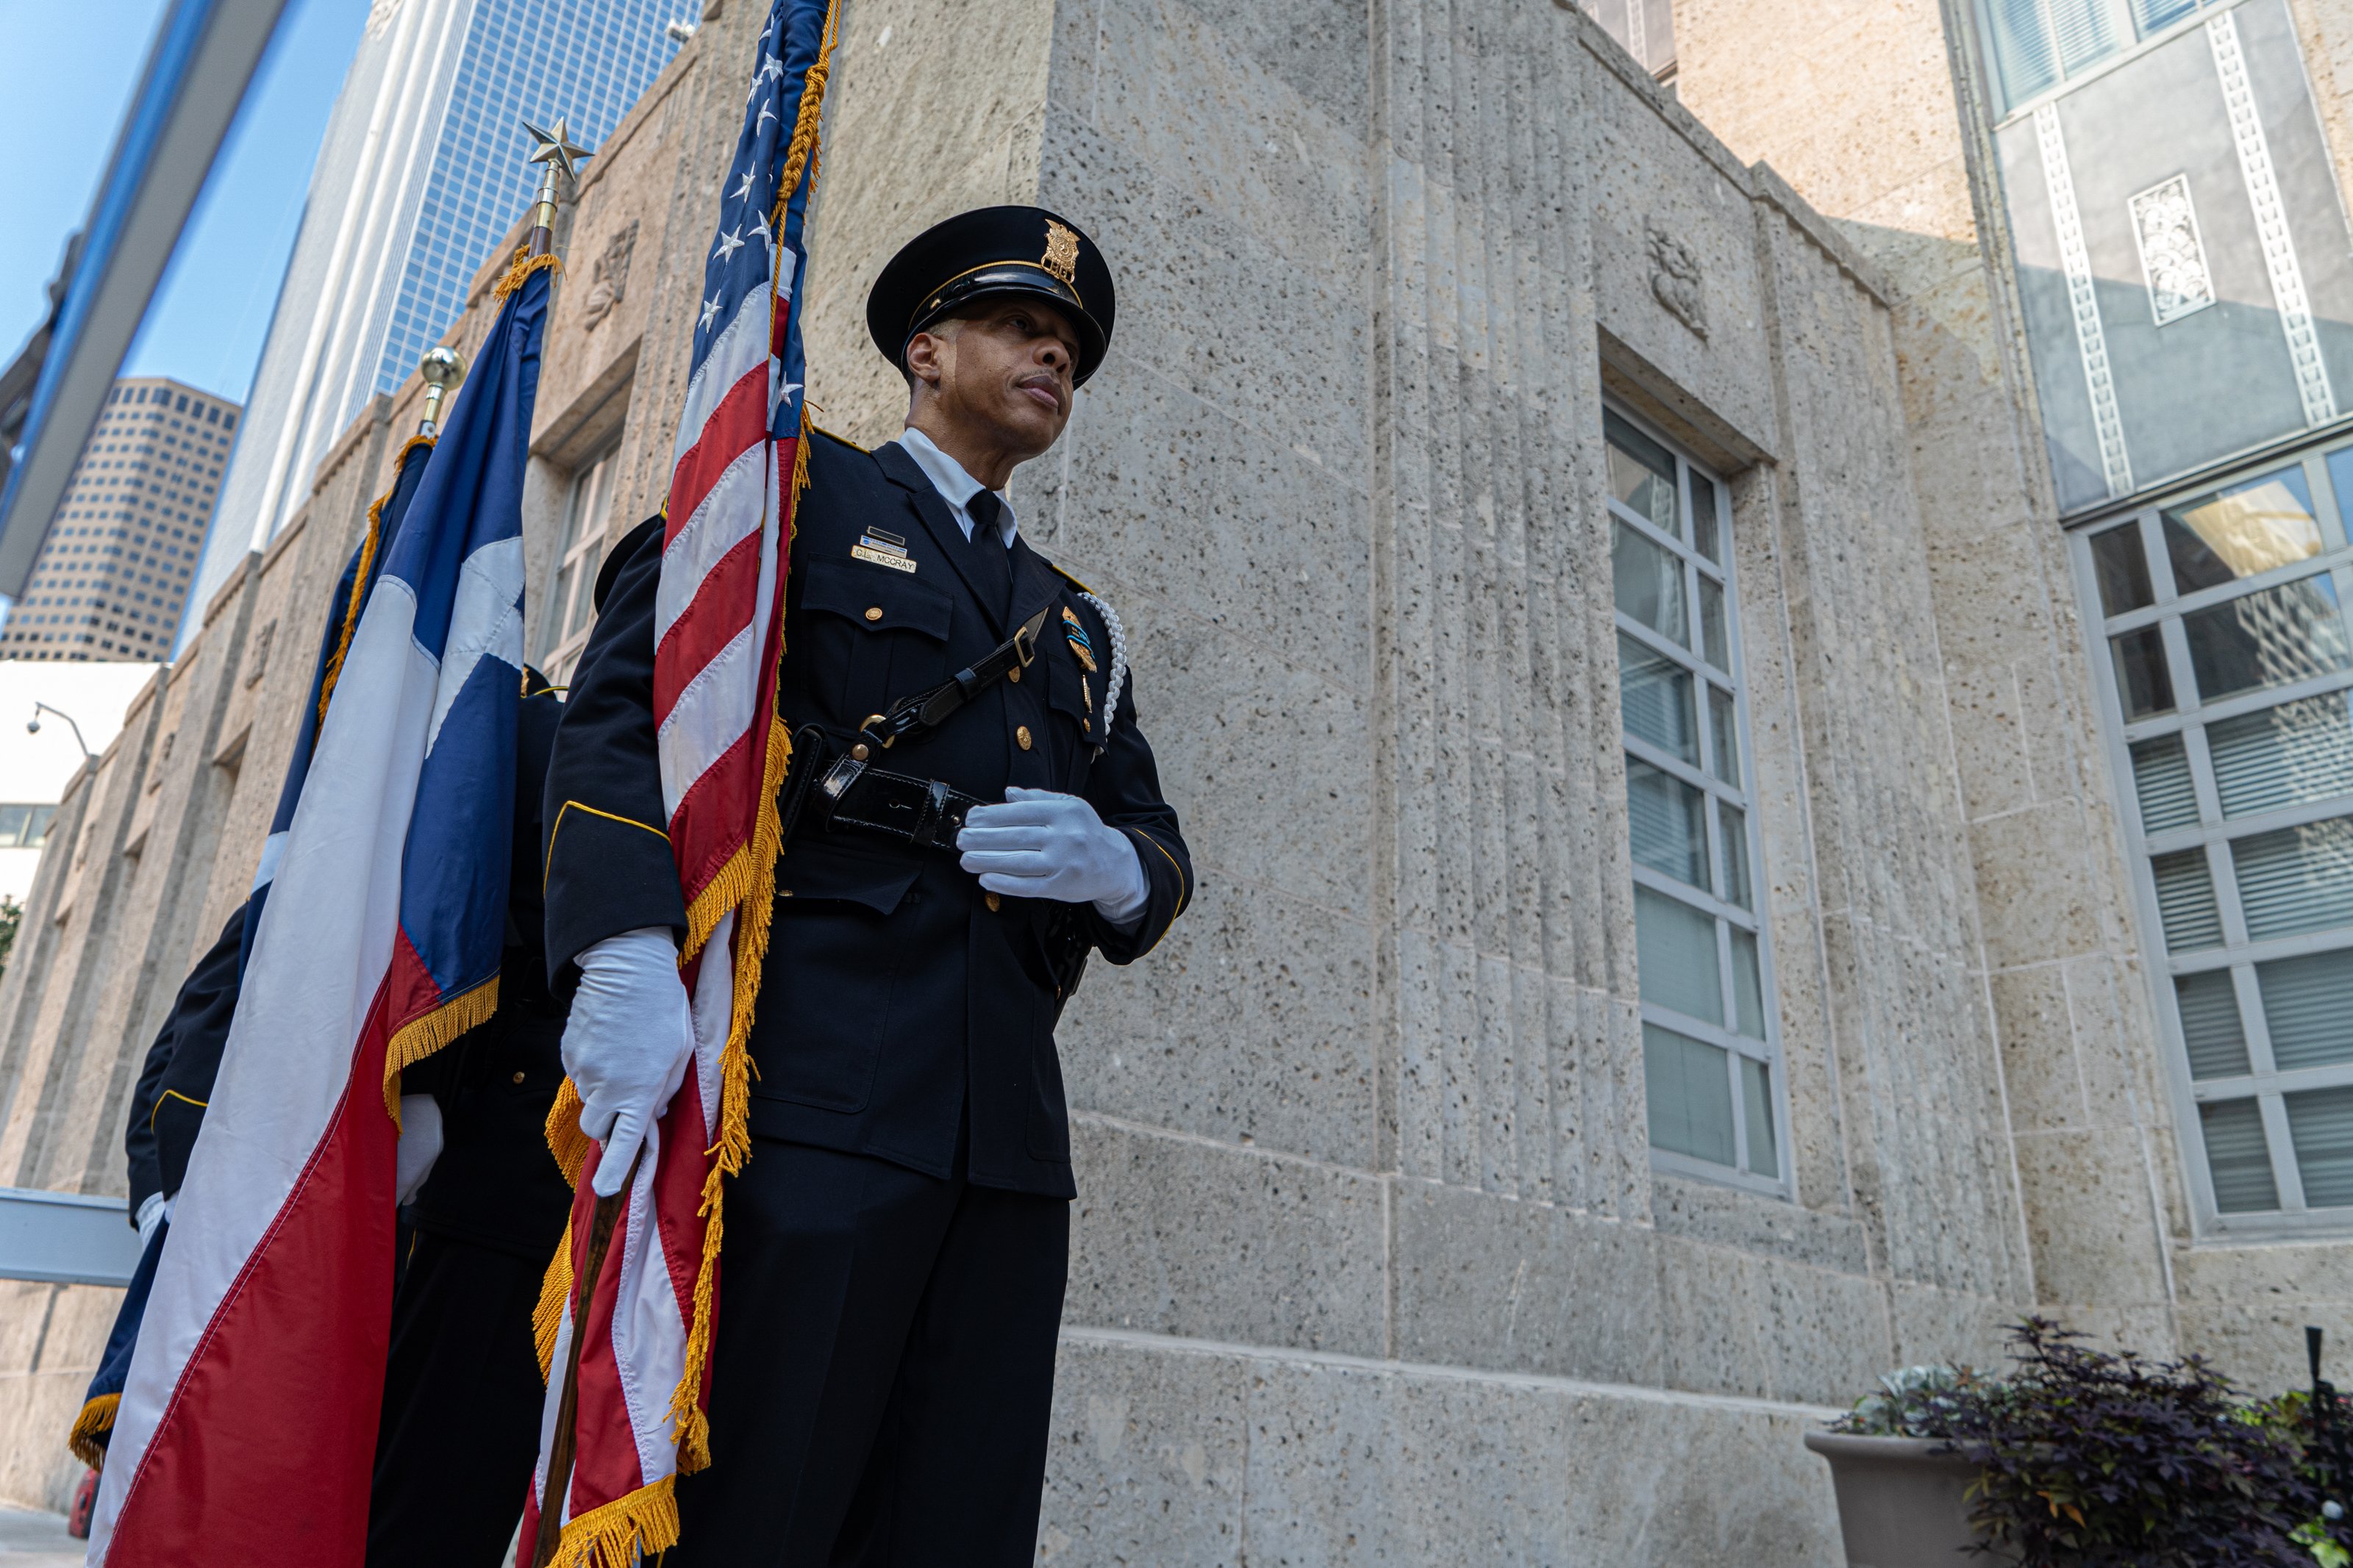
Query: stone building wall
(1371,1263)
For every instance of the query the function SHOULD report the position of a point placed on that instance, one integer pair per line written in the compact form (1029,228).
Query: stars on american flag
(744,190)
(729,243)
(767,112)
(764,235)
(710,314)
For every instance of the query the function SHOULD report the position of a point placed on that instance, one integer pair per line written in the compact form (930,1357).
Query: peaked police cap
(985,254)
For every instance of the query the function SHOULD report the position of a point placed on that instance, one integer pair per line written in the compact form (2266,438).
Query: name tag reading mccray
(883,548)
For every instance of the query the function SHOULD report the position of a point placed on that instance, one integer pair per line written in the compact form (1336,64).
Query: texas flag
(247,1423)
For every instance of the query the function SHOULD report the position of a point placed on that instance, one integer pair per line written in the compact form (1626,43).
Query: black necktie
(992,561)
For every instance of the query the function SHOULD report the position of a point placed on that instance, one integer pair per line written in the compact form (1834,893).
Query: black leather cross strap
(924,711)
(924,813)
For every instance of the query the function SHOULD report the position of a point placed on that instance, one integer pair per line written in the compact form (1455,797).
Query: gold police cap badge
(1061,257)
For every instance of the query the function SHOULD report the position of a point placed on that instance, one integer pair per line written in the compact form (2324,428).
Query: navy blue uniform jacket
(896,1001)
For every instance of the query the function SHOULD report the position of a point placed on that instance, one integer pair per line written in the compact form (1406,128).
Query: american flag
(646,1333)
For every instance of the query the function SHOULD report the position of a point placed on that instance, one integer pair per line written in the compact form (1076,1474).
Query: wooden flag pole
(601,1227)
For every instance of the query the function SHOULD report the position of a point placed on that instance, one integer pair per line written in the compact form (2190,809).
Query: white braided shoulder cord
(1118,660)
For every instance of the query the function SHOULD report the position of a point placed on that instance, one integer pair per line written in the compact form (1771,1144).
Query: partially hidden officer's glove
(1042,845)
(627,1043)
(420,1144)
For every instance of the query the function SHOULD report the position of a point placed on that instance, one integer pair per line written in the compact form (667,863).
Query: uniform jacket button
(992,900)
(1021,733)
(874,612)
(518,1077)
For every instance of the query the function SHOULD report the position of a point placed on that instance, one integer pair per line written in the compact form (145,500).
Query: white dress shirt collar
(956,487)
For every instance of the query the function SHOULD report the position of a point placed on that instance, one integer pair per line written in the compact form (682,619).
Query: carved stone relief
(2172,256)
(609,279)
(1675,279)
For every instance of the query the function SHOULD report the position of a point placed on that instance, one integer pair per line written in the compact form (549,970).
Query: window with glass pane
(2230,697)
(2036,44)
(1710,1044)
(570,604)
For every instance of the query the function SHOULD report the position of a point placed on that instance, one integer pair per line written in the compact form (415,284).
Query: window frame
(586,547)
(2120,15)
(2213,834)
(1707,677)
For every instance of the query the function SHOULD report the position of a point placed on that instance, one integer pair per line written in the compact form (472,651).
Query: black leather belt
(924,813)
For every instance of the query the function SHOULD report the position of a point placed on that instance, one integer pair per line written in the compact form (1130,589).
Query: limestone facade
(1372,1263)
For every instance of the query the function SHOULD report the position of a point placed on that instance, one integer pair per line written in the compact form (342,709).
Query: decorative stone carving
(1675,279)
(2172,256)
(380,16)
(609,279)
(258,665)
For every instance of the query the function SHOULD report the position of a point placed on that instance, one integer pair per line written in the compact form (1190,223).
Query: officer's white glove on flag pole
(627,1043)
(1042,844)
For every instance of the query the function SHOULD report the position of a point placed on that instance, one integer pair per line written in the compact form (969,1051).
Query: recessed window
(569,608)
(2229,701)
(2037,44)
(1709,1042)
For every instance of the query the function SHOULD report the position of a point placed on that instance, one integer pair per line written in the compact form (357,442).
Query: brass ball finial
(441,369)
(442,366)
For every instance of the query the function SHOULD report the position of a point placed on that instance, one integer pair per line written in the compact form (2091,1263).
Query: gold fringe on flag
(621,1533)
(555,1293)
(97,1419)
(420,1037)
(565,1140)
(370,542)
(522,267)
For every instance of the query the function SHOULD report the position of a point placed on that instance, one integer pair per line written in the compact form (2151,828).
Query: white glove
(151,1215)
(627,1043)
(420,1144)
(1040,845)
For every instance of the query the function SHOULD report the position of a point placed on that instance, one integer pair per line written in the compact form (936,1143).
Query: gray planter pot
(1902,1501)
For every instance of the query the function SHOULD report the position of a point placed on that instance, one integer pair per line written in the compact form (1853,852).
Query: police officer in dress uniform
(897,1245)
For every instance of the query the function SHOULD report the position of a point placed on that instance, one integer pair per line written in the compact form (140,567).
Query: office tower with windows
(109,583)
(420,175)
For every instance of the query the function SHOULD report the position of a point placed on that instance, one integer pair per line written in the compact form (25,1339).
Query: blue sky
(67,68)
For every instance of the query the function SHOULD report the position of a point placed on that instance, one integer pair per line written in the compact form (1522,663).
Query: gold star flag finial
(555,146)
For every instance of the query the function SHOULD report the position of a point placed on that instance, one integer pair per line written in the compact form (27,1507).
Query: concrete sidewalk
(32,1539)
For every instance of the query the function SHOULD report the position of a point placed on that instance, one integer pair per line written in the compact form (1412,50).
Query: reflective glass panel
(2308,1009)
(2184,902)
(2210,1028)
(2022,49)
(1642,473)
(1703,528)
(1723,734)
(1667,821)
(1748,986)
(1735,823)
(1655,693)
(2149,15)
(2085,30)
(2320,1125)
(1756,1117)
(2287,756)
(2143,683)
(2268,638)
(2237,1157)
(1648,583)
(1715,640)
(2162,783)
(1674,948)
(2297,880)
(1688,1085)
(2241,530)
(13,819)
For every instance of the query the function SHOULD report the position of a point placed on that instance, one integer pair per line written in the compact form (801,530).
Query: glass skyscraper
(420,175)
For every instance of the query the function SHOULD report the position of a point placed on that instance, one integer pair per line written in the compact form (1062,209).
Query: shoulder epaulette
(1070,577)
(843,440)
